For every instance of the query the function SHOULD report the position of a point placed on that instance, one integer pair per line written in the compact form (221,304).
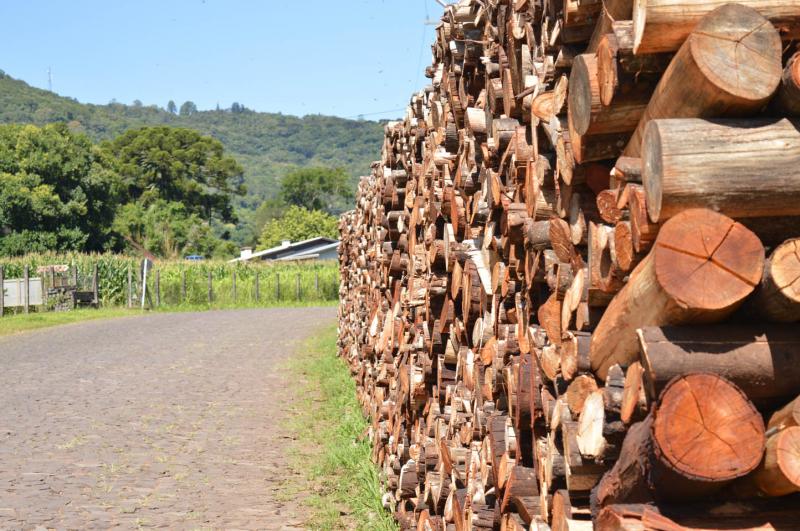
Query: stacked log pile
(570,289)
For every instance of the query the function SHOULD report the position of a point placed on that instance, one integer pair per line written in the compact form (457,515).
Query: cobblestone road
(168,420)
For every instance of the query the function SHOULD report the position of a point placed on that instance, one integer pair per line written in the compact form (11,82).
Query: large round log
(779,472)
(719,438)
(701,269)
(729,66)
(764,361)
(741,168)
(778,296)
(663,25)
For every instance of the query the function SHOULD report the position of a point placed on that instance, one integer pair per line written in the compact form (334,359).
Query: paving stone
(164,421)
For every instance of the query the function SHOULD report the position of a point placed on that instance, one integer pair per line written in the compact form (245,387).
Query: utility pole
(49,79)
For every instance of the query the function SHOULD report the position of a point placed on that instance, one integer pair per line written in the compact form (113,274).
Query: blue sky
(336,57)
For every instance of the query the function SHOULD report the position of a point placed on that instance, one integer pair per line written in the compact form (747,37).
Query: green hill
(267,145)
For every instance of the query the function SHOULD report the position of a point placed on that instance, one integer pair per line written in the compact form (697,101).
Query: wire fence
(59,282)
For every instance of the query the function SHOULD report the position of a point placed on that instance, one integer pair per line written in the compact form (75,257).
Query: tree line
(165,190)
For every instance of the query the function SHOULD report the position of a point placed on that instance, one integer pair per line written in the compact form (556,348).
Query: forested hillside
(267,145)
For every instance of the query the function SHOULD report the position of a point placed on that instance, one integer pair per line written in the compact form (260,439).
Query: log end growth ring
(706,261)
(739,51)
(706,429)
(653,170)
(580,95)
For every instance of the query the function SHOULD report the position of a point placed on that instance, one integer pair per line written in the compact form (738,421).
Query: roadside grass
(344,483)
(21,322)
(14,324)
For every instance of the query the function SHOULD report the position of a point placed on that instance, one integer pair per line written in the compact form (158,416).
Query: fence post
(26,288)
(75,277)
(297,287)
(183,286)
(258,288)
(234,286)
(316,281)
(130,286)
(2,290)
(95,288)
(210,288)
(158,288)
(278,286)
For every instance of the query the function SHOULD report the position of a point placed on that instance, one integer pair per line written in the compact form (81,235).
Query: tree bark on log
(663,25)
(763,360)
(701,269)
(740,168)
(729,66)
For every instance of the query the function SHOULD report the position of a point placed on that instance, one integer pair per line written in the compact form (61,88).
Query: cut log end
(738,35)
(720,436)
(705,260)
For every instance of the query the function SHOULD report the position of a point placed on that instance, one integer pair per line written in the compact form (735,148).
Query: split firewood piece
(561,240)
(627,257)
(742,169)
(619,70)
(720,438)
(697,85)
(634,398)
(778,296)
(787,99)
(613,10)
(578,391)
(522,493)
(697,253)
(763,360)
(565,517)
(591,442)
(643,231)
(575,355)
(663,25)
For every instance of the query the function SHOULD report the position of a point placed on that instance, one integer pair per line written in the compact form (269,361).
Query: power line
(359,116)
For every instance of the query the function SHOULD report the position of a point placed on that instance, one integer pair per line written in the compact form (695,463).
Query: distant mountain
(266,144)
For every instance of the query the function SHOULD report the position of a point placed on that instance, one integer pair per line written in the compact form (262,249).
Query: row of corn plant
(179,282)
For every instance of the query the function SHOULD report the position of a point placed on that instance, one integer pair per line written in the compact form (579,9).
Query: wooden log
(701,269)
(739,168)
(763,360)
(619,70)
(612,11)
(779,472)
(729,66)
(720,439)
(663,25)
(589,115)
(778,296)
(787,99)
(763,514)
(786,417)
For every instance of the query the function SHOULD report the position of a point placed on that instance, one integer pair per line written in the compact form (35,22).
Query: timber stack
(570,289)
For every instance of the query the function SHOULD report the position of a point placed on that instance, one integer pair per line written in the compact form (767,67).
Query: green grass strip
(346,485)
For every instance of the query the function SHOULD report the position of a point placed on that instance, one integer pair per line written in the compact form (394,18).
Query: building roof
(293,251)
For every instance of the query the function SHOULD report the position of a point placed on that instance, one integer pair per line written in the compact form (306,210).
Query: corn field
(180,282)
